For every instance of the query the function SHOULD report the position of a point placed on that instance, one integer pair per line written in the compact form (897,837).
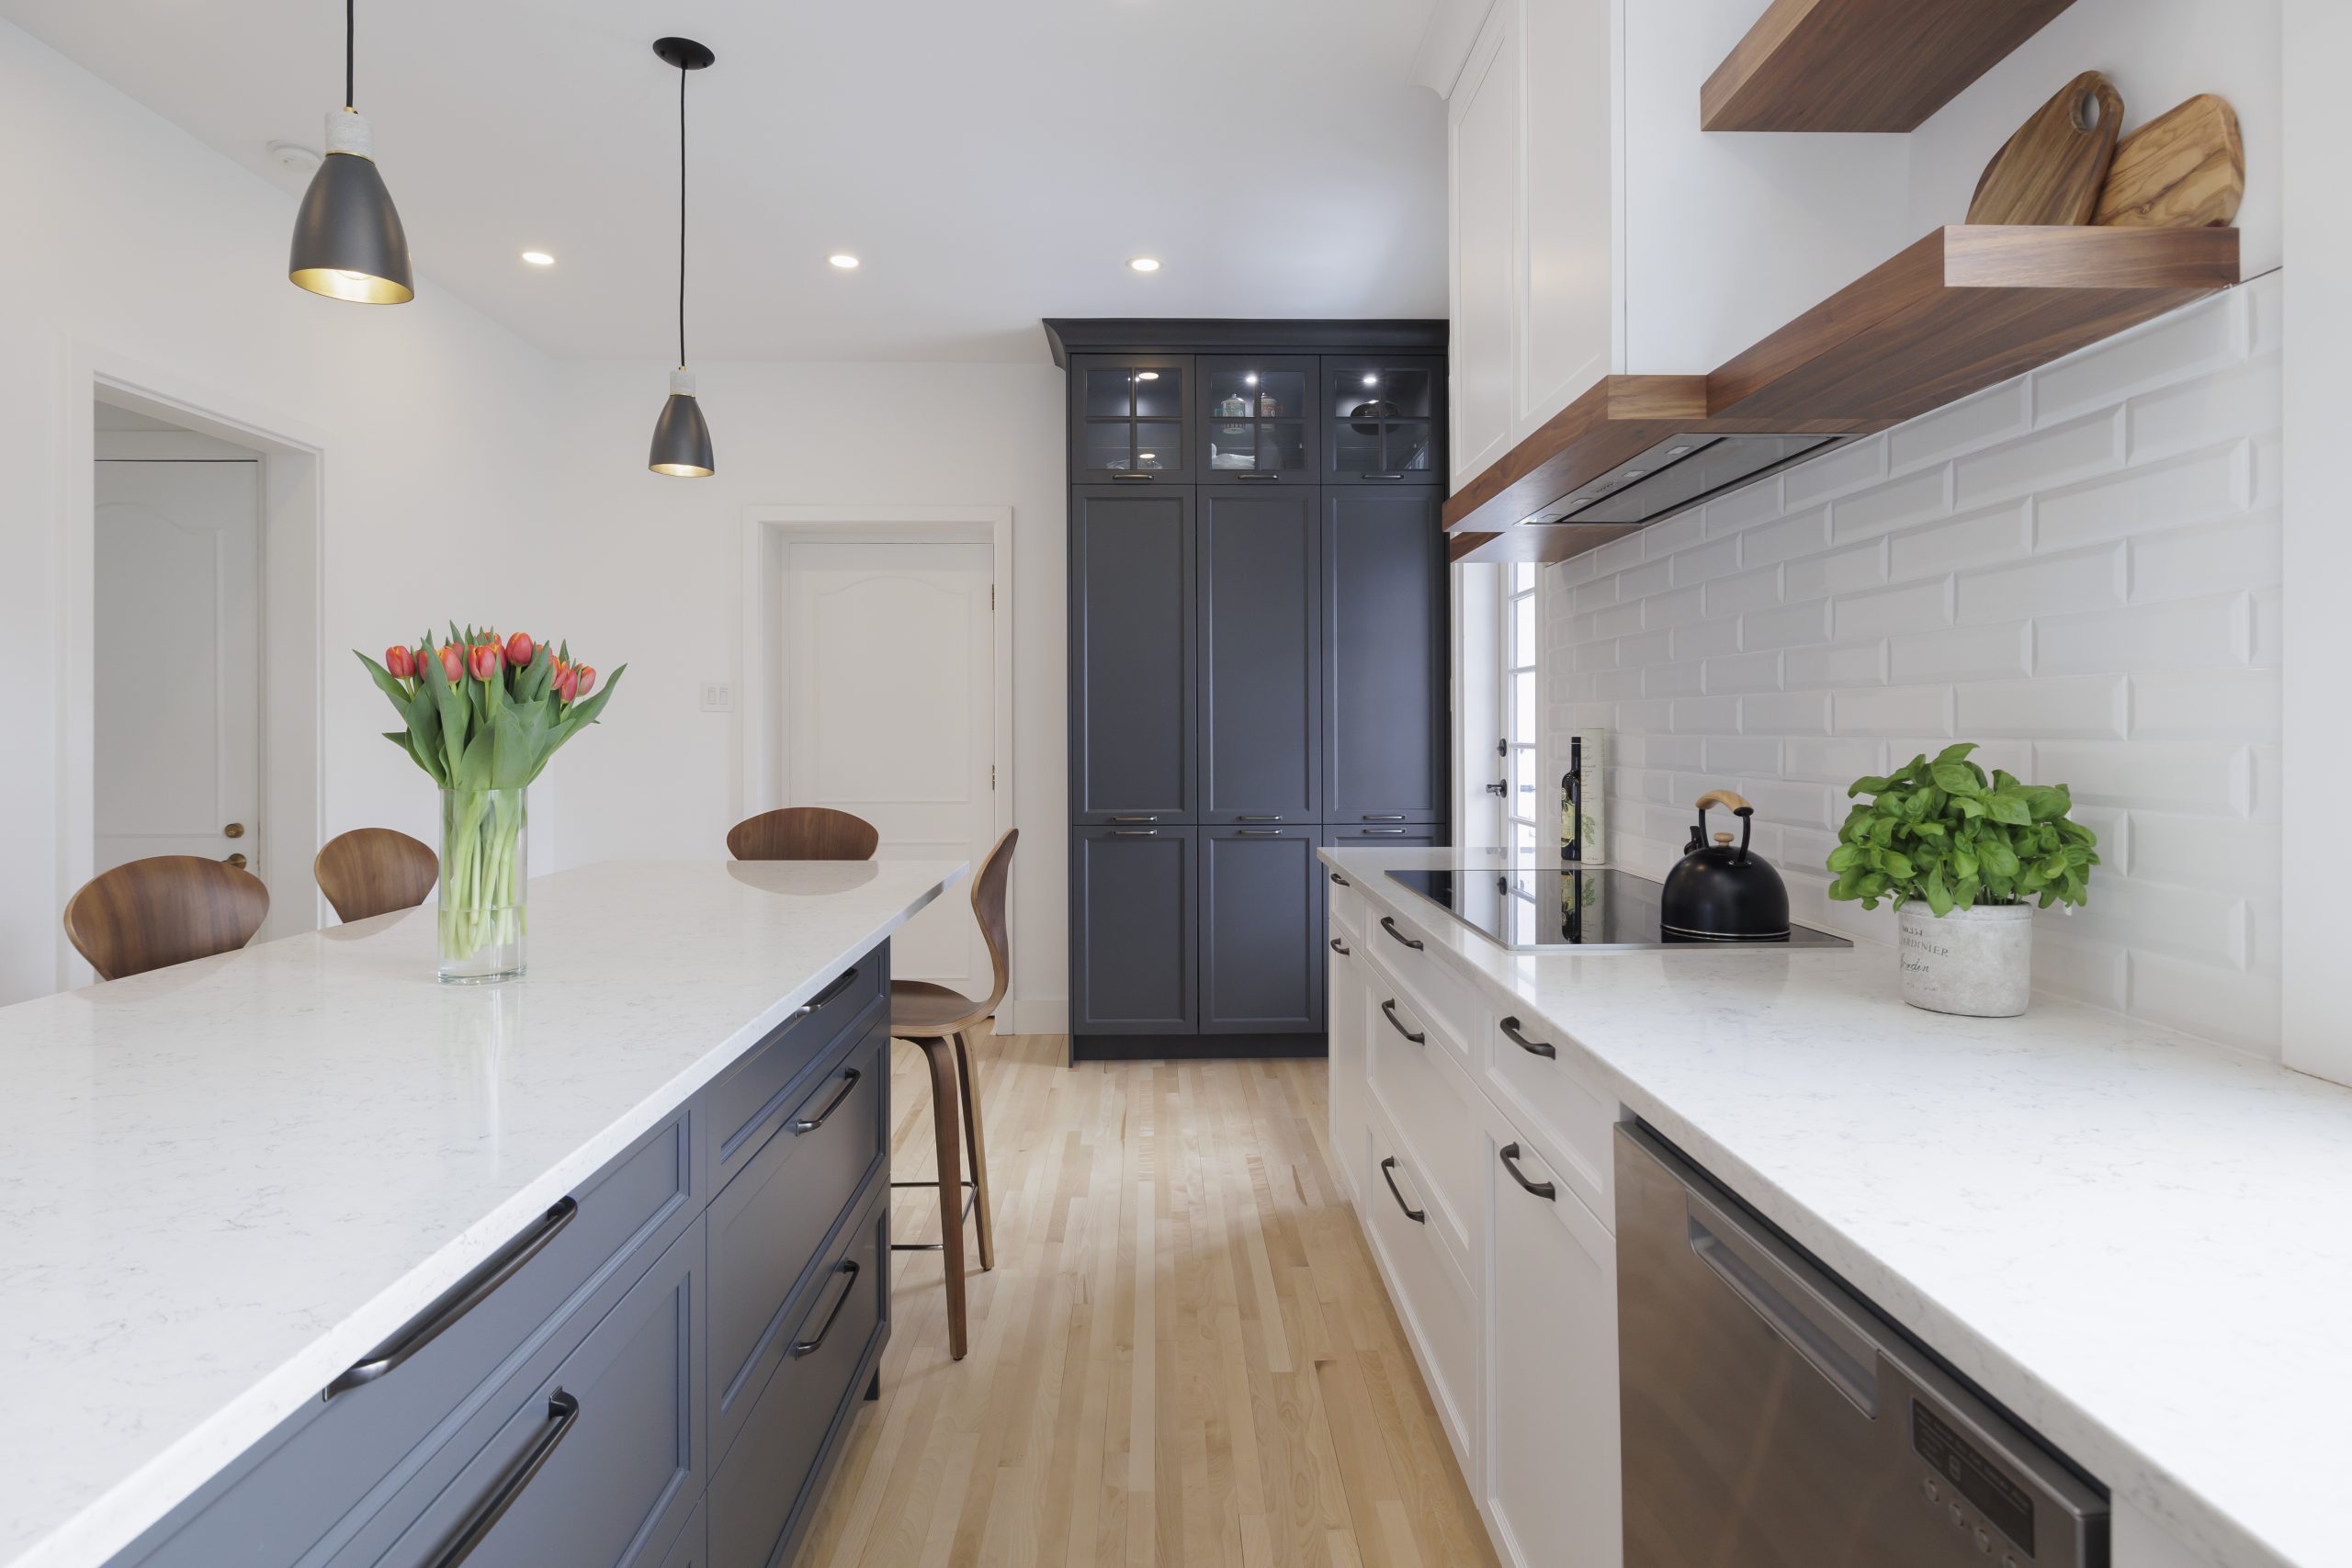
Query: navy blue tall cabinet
(1258,661)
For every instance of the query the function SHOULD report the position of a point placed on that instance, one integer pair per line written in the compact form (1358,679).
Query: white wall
(129,242)
(2079,568)
(647,572)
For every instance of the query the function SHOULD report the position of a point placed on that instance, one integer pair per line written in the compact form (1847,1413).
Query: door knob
(237,860)
(233,830)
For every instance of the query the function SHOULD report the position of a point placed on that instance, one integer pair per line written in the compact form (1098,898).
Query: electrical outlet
(718,696)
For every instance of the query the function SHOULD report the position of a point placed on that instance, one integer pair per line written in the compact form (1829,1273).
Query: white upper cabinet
(1483,178)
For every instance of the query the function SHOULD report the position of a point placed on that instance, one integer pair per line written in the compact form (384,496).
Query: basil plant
(1944,831)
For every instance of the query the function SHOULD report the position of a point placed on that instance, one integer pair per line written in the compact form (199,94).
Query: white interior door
(177,672)
(888,691)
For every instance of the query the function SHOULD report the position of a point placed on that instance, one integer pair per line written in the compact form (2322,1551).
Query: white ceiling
(991,161)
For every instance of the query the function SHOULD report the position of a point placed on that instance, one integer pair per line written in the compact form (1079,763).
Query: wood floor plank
(1182,1358)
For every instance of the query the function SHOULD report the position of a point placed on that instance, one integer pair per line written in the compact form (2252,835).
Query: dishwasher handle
(1744,1258)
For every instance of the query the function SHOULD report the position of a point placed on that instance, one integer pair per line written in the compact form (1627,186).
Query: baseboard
(1195,1047)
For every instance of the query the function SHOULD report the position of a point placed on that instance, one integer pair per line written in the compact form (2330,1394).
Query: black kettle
(1717,893)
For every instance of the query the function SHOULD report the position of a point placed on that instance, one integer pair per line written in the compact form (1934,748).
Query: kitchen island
(2134,1242)
(300,1218)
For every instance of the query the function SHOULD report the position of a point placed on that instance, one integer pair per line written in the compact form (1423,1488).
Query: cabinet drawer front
(760,1495)
(1563,1109)
(1432,1299)
(766,1088)
(1431,1115)
(1262,937)
(1404,948)
(768,1225)
(331,1465)
(602,1465)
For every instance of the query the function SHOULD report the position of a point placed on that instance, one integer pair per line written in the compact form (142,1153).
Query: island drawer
(599,1467)
(769,1226)
(334,1462)
(752,1099)
(764,1489)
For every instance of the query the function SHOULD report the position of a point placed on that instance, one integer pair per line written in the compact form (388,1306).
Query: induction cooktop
(1528,908)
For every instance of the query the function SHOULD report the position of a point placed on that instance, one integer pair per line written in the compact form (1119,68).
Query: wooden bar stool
(933,1016)
(373,871)
(168,910)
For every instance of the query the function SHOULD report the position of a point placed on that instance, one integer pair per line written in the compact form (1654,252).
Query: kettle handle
(1725,798)
(1739,808)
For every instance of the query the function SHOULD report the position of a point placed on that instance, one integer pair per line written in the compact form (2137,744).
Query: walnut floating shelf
(1965,308)
(1879,65)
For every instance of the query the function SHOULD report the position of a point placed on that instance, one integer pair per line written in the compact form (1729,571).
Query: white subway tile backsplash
(2078,569)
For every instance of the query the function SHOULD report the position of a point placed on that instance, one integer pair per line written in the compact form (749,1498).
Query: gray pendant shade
(348,244)
(681,439)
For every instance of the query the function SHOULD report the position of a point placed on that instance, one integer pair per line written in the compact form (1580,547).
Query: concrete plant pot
(1977,961)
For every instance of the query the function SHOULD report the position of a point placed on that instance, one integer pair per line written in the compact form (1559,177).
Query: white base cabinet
(1507,1294)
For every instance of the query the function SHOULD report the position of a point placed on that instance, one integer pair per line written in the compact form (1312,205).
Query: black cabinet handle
(1392,478)
(456,1301)
(1134,478)
(810,1124)
(1246,817)
(1389,924)
(1533,1048)
(1382,817)
(1258,478)
(1381,832)
(848,1270)
(562,1411)
(842,984)
(1260,833)
(1341,880)
(1387,1171)
(1388,1009)
(1542,1190)
(1154,818)
(1340,947)
(1134,833)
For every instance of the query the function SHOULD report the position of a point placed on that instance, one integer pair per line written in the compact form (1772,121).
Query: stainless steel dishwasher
(1771,1419)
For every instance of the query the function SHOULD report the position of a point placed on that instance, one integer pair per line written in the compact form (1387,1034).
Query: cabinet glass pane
(1159,447)
(1407,393)
(1160,394)
(1259,444)
(1355,447)
(1282,443)
(1405,446)
(1106,445)
(1233,446)
(1107,392)
(1268,394)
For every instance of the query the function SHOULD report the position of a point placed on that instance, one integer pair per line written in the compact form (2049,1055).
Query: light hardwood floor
(1185,1353)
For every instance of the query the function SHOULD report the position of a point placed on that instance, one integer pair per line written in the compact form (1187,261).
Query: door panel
(889,684)
(1135,933)
(1262,930)
(1261,629)
(175,668)
(1384,656)
(1134,658)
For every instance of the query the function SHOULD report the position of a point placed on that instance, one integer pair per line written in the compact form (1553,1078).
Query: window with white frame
(1523,828)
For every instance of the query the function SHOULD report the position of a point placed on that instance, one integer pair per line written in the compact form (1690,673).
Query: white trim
(290,811)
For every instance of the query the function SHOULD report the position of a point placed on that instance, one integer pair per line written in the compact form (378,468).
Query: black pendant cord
(350,23)
(681,217)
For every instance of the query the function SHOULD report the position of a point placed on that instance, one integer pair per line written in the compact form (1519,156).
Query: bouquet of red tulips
(482,715)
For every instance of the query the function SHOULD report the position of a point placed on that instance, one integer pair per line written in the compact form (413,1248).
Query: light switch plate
(718,696)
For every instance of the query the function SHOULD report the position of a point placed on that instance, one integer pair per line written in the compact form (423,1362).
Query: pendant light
(348,244)
(681,439)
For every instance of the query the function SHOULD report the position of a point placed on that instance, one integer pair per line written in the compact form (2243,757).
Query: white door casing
(176,664)
(888,690)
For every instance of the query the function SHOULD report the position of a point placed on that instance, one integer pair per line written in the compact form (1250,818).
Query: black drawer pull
(1533,1048)
(1258,478)
(1134,833)
(1259,832)
(562,1411)
(1390,476)
(1340,947)
(1341,880)
(1542,1190)
(1246,817)
(1381,832)
(1389,924)
(1382,817)
(1389,1008)
(1387,1170)
(1150,818)
(827,995)
(810,1124)
(848,1271)
(456,1300)
(1134,478)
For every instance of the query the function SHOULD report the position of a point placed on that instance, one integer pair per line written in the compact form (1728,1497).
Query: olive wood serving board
(2184,169)
(2052,171)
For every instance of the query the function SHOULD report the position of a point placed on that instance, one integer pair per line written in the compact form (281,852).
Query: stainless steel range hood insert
(1678,474)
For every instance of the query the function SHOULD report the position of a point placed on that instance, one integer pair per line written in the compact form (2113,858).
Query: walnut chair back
(373,871)
(168,910)
(803,832)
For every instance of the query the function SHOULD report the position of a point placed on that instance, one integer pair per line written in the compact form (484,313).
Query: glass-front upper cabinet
(1256,419)
(1382,421)
(1131,418)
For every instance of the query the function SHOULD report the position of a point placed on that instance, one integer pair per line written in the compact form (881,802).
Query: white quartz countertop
(2139,1243)
(221,1183)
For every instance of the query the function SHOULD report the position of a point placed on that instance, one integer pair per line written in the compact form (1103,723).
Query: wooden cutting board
(2052,171)
(2184,169)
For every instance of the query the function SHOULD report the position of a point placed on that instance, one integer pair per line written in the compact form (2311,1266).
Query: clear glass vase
(482,878)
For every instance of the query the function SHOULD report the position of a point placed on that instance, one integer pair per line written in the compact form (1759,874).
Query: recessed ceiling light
(1144,264)
(538,258)
(844,260)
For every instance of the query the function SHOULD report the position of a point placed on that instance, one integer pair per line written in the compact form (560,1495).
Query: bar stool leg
(951,1188)
(976,1142)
